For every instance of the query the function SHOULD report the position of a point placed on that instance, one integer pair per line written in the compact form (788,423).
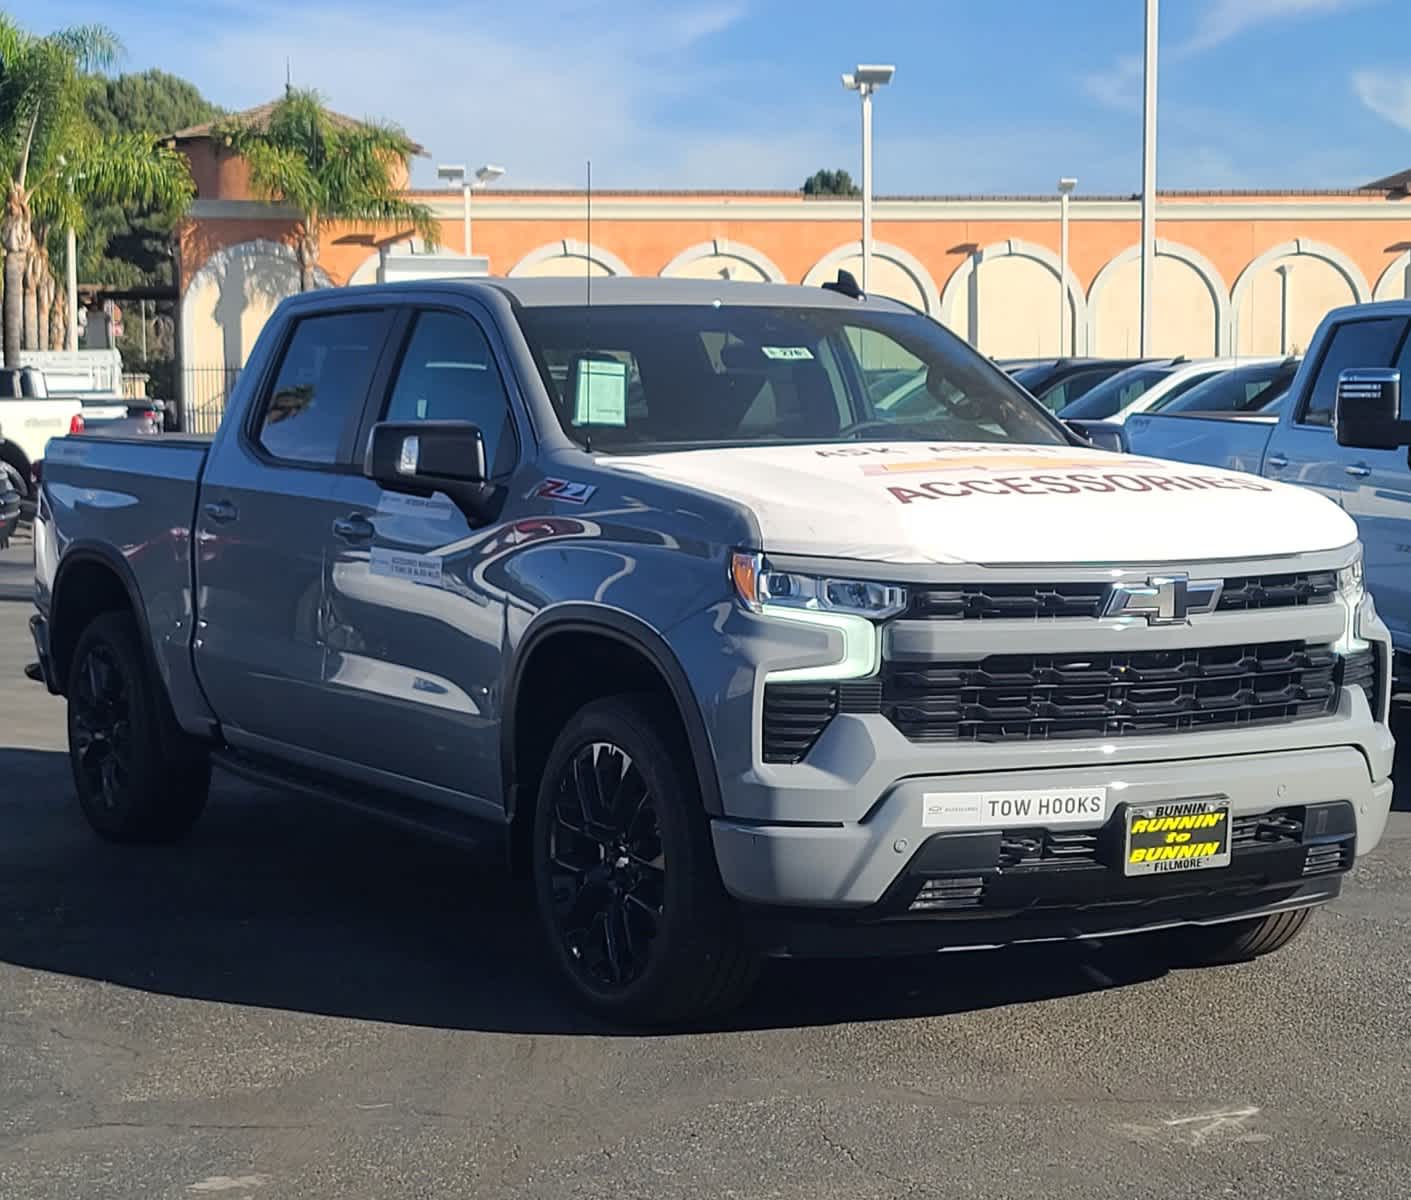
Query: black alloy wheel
(607,865)
(102,727)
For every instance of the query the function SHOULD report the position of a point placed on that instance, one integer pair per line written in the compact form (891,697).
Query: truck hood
(908,502)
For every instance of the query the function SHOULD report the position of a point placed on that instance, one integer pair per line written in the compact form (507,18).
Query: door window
(1354,344)
(449,374)
(321,386)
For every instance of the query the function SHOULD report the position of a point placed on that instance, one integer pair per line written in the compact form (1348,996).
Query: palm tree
(39,110)
(327,169)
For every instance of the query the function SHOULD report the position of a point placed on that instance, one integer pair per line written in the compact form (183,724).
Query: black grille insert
(1360,669)
(794,715)
(1029,697)
(1016,601)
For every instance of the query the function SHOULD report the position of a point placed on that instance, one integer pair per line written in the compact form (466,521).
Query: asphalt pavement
(301,1003)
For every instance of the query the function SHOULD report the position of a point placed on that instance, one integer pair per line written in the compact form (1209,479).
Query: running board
(430,820)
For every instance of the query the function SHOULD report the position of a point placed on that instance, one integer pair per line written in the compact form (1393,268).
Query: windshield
(631,378)
(1242,389)
(1111,396)
(1031,377)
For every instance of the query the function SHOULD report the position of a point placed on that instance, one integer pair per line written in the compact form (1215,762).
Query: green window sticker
(601,397)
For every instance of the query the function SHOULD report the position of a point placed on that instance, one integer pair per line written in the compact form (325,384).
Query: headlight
(1350,586)
(758,586)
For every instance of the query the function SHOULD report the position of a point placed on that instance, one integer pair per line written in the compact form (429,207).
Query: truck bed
(1235,441)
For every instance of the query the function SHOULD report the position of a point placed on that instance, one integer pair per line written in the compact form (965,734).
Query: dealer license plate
(1184,835)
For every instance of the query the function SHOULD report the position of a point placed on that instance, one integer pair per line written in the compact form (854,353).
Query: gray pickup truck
(731,658)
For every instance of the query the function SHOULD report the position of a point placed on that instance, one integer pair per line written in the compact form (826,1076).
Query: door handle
(1358,471)
(1277,461)
(354,528)
(222,510)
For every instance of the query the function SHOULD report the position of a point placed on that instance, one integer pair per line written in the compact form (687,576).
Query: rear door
(414,634)
(264,530)
(1303,450)
(1378,497)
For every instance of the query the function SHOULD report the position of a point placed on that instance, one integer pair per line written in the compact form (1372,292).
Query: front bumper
(859,865)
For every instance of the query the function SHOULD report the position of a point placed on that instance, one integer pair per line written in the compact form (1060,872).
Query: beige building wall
(1017,307)
(1184,318)
(888,279)
(231,298)
(1314,286)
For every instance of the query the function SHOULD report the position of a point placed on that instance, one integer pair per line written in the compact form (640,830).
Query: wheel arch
(92,578)
(611,629)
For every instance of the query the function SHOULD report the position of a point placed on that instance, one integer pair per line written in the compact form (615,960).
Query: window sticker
(602,393)
(788,353)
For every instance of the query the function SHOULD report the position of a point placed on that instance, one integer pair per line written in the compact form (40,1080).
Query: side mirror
(1368,411)
(1105,435)
(425,457)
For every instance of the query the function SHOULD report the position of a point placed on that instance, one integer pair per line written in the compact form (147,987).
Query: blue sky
(991,96)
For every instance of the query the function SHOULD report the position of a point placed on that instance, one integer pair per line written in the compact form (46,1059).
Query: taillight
(76,423)
(149,414)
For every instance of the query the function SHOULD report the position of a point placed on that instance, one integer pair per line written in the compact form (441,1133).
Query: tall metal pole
(465,214)
(1062,272)
(1148,179)
(866,90)
(71,285)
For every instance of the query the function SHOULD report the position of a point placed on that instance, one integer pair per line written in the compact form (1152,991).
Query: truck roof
(560,291)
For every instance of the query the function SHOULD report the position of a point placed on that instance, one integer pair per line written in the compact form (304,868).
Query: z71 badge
(565,490)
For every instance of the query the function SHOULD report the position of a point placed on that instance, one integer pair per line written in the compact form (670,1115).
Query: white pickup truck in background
(31,413)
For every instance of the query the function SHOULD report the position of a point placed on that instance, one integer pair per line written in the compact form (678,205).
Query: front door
(1303,449)
(414,638)
(264,534)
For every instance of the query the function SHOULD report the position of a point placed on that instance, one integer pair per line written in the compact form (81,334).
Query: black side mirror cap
(1368,412)
(1105,435)
(421,458)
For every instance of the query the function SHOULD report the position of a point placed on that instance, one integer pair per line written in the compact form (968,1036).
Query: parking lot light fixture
(456,175)
(866,79)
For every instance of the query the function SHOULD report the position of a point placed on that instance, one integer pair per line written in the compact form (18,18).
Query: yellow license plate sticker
(1184,835)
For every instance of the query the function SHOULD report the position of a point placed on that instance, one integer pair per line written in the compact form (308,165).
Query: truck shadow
(280,903)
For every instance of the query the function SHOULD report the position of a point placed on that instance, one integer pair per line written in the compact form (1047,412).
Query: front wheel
(638,922)
(1235,941)
(139,777)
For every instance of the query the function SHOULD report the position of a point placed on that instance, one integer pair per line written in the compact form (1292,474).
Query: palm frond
(94,47)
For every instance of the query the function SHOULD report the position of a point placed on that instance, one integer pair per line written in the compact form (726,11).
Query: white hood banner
(997,504)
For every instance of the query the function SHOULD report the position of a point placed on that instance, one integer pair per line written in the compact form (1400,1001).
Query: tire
(628,892)
(16,479)
(1236,941)
(139,778)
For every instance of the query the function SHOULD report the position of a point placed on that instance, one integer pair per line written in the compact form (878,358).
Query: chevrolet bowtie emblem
(1163,599)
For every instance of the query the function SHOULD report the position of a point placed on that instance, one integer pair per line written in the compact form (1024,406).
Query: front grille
(1050,847)
(937,895)
(1333,856)
(1038,697)
(1359,669)
(1039,601)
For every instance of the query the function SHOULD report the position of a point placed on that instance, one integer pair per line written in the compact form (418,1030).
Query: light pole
(1065,189)
(865,80)
(1148,178)
(456,174)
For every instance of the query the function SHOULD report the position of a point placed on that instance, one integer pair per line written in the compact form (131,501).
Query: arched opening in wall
(1394,283)
(1014,301)
(223,309)
(1185,319)
(719,266)
(568,257)
(1281,301)
(895,274)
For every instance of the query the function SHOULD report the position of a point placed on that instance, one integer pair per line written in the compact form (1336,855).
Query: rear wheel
(139,777)
(1236,941)
(628,892)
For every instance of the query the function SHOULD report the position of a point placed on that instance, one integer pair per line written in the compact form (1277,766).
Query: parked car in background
(1057,382)
(729,659)
(1292,439)
(1143,387)
(1240,391)
(31,414)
